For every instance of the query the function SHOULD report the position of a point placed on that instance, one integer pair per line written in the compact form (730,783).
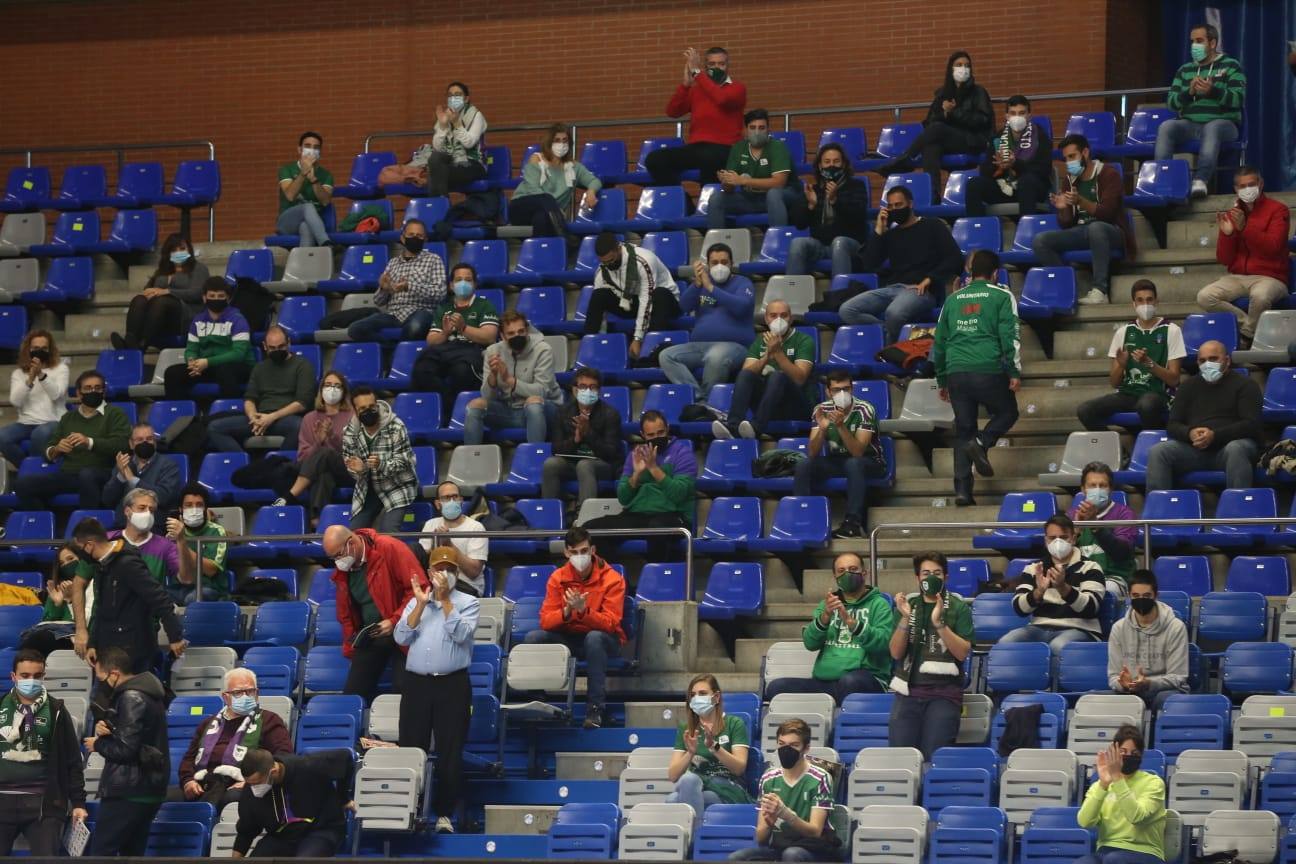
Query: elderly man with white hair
(209,770)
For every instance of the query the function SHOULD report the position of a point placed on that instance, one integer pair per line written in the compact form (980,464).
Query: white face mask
(720,272)
(1059,548)
(581,562)
(193,516)
(331,395)
(1017,123)
(842,399)
(260,790)
(962,73)
(310,152)
(559,148)
(142,521)
(778,326)
(1248,194)
(1145,311)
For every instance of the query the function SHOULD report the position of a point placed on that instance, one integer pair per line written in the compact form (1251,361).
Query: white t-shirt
(476,548)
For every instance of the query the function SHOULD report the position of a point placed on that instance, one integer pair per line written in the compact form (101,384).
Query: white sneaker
(1199,189)
(720,431)
(444,825)
(746,430)
(279,502)
(1093,298)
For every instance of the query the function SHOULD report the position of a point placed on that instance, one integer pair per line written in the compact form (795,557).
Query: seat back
(255,264)
(1200,327)
(1099,127)
(1248,835)
(797,291)
(1188,573)
(737,239)
(475,465)
(977,232)
(1262,574)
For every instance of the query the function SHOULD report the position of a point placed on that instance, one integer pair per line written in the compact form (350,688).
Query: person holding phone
(37,389)
(1061,595)
(586,440)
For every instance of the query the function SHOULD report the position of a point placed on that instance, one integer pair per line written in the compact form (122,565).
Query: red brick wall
(252,75)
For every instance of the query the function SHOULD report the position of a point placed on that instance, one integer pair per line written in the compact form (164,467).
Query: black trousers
(154,321)
(937,139)
(660,548)
(438,709)
(968,391)
(982,191)
(448,369)
(25,815)
(369,661)
(667,164)
(443,174)
(1151,408)
(541,212)
(665,309)
(307,843)
(325,470)
(230,378)
(122,828)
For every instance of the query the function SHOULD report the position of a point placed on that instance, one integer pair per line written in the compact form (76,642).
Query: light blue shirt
(442,643)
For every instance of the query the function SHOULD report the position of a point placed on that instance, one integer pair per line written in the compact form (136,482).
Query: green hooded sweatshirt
(1130,814)
(978,331)
(842,650)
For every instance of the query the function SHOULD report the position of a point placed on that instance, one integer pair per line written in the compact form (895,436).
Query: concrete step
(748,654)
(529,819)
(590,766)
(1018,461)
(887,514)
(654,715)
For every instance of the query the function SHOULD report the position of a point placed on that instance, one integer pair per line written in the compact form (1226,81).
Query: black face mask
(215,304)
(1131,762)
(898,216)
(614,264)
(833,174)
(1143,605)
(788,756)
(41,354)
(84,555)
(93,399)
(145,450)
(660,443)
(414,245)
(278,357)
(517,343)
(369,416)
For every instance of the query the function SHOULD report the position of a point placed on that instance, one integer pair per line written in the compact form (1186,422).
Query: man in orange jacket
(374,580)
(582,609)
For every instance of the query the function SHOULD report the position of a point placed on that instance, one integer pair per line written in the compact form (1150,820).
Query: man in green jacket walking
(978,362)
(851,630)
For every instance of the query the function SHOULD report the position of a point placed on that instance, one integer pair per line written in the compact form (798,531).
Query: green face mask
(717,75)
(850,581)
(931,585)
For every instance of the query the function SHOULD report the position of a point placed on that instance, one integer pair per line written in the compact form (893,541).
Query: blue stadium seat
(1192,721)
(669,399)
(365,168)
(855,348)
(1136,472)
(1173,504)
(607,352)
(1188,573)
(1048,291)
(1031,508)
(1017,666)
(1280,396)
(326,668)
(610,207)
(1083,667)
(795,141)
(953,203)
(325,732)
(32,580)
(168,839)
(292,241)
(25,188)
(970,835)
(727,465)
(74,233)
(28,525)
(965,575)
(606,160)
(1140,136)
(362,265)
(1052,836)
(725,829)
(582,270)
(731,524)
(1256,667)
(1099,127)
(489,258)
(1052,720)
(1232,616)
(851,138)
(300,316)
(139,184)
(360,362)
(403,359)
(13,326)
(254,264)
(211,622)
(774,251)
(81,186)
(544,306)
(281,622)
(671,247)
(350,705)
(14,620)
(537,256)
(918,184)
(640,175)
(584,831)
(1161,184)
(121,369)
(977,232)
(1263,574)
(1021,251)
(131,231)
(197,183)
(328,633)
(944,787)
(863,722)
(659,207)
(523,477)
(733,589)
(540,514)
(215,473)
(1202,327)
(526,581)
(1278,792)
(799,523)
(659,582)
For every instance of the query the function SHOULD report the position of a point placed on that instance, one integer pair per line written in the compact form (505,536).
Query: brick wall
(252,75)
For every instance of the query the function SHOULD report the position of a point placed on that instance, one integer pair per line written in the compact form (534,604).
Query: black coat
(314,788)
(137,761)
(127,602)
(605,431)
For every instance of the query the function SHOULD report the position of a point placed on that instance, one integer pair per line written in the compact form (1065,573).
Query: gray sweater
(533,369)
(1161,649)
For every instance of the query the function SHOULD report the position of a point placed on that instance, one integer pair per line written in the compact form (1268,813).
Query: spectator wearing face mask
(410,289)
(319,468)
(844,442)
(544,197)
(775,376)
(218,349)
(709,760)
(170,299)
(456,159)
(838,209)
(280,391)
(1147,653)
(519,388)
(1061,595)
(631,282)
(1147,355)
(586,440)
(977,354)
(794,803)
(1127,806)
(377,453)
(721,303)
(757,178)
(38,389)
(1112,549)
(1018,167)
(195,521)
(305,189)
(158,551)
(141,467)
(295,804)
(452,526)
(714,102)
(461,329)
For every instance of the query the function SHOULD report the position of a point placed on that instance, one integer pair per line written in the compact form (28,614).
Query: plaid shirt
(426,275)
(394,478)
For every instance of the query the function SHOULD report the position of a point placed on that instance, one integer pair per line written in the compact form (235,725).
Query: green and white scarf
(926,651)
(25,737)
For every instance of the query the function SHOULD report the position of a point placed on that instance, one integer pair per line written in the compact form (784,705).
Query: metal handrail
(120,150)
(1088,523)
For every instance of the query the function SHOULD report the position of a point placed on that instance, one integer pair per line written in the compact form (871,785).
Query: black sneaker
(848,529)
(979,458)
(593,717)
(118,341)
(964,501)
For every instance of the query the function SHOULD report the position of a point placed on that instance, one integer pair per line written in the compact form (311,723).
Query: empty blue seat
(1083,667)
(1022,252)
(1053,836)
(365,168)
(660,582)
(733,589)
(13,326)
(864,722)
(795,141)
(584,830)
(544,306)
(965,575)
(326,668)
(139,184)
(197,183)
(977,232)
(1188,573)
(671,247)
(725,829)
(540,514)
(1098,127)
(607,352)
(282,622)
(731,524)
(1031,508)
(489,258)
(605,159)
(121,369)
(538,255)
(669,399)
(25,188)
(362,265)
(1232,616)
(918,184)
(403,359)
(300,316)
(1140,136)
(1017,666)
(216,471)
(74,233)
(1262,574)
(1048,291)
(131,231)
(953,203)
(213,622)
(970,835)
(66,279)
(640,175)
(609,207)
(1256,667)
(1280,396)
(855,348)
(15,619)
(659,207)
(526,581)
(1161,184)
(523,476)
(583,269)
(254,264)
(1201,327)
(943,788)
(727,465)
(1135,474)
(82,185)
(893,140)
(774,251)
(325,732)
(851,138)
(800,522)
(360,362)
(1190,721)
(1173,504)
(421,413)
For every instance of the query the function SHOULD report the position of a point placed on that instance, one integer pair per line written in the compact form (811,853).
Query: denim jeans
(769,853)
(227,434)
(1169,459)
(1213,134)
(594,647)
(305,221)
(925,723)
(805,251)
(776,398)
(1100,238)
(775,202)
(855,681)
(183,595)
(1112,855)
(536,417)
(688,790)
(719,361)
(13,435)
(811,474)
(414,329)
(1056,637)
(893,306)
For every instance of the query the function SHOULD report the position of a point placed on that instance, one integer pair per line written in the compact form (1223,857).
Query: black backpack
(254,301)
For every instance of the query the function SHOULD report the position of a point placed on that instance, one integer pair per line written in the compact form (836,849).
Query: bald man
(374,578)
(1214,425)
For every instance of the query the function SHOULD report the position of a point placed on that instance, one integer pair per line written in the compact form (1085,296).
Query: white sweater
(42,402)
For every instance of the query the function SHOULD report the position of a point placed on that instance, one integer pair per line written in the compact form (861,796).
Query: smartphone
(840,595)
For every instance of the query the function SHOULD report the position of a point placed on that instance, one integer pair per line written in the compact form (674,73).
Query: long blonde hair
(710,680)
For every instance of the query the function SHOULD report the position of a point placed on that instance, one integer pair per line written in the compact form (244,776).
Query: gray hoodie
(533,368)
(1161,648)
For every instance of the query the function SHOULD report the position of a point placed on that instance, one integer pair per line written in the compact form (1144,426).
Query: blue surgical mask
(29,688)
(180,256)
(1198,51)
(1074,167)
(456,103)
(702,705)
(587,396)
(463,288)
(451,510)
(243,705)
(1097,497)
(1211,371)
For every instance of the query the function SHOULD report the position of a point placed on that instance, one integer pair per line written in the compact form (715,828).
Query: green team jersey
(290,171)
(477,313)
(774,159)
(812,789)
(1223,102)
(797,346)
(716,777)
(1087,189)
(1163,342)
(861,415)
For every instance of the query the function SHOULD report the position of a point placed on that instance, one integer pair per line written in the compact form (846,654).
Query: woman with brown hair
(543,197)
(710,756)
(160,314)
(38,389)
(319,466)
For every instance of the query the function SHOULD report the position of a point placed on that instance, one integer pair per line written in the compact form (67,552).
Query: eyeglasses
(839,389)
(247,691)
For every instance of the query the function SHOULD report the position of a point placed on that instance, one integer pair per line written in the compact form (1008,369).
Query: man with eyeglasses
(849,630)
(932,636)
(473,550)
(209,768)
(410,289)
(280,391)
(84,446)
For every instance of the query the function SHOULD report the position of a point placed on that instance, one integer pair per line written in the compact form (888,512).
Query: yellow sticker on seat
(28,185)
(195,710)
(368,258)
(1028,507)
(1277,712)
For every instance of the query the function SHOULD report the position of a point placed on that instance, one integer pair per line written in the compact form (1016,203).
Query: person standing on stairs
(977,355)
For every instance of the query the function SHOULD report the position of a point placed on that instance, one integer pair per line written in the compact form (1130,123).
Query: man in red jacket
(1253,246)
(582,609)
(374,582)
(715,103)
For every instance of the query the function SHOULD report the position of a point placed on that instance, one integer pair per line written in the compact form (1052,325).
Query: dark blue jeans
(414,329)
(856,681)
(811,474)
(777,397)
(1110,855)
(594,647)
